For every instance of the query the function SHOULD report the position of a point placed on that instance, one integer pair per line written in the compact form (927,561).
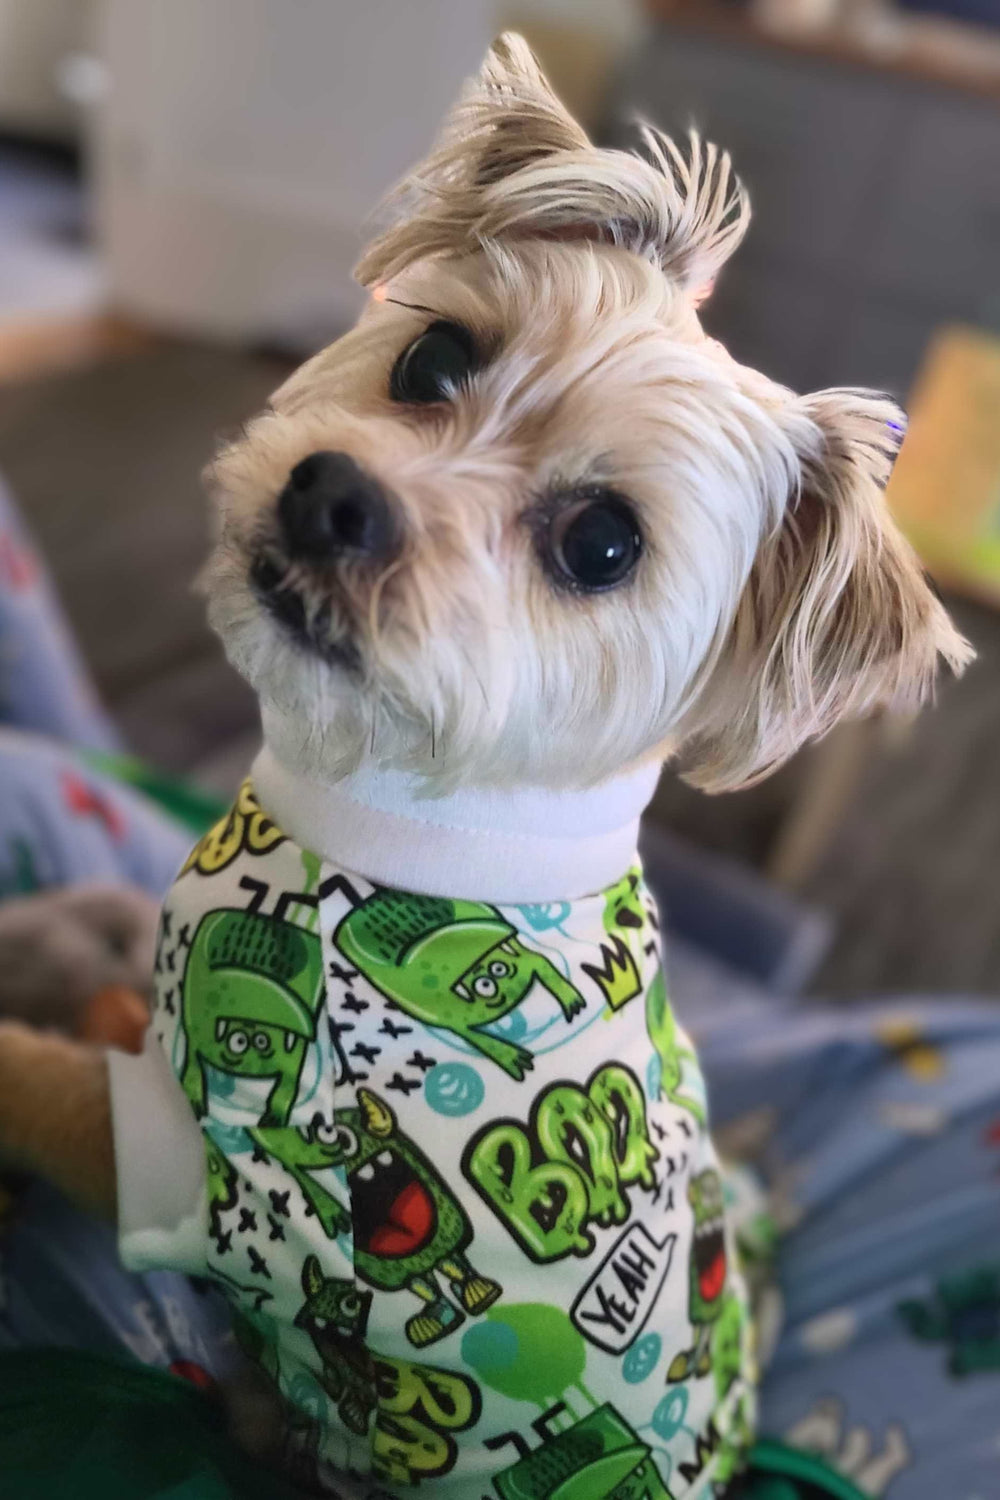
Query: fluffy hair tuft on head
(512,163)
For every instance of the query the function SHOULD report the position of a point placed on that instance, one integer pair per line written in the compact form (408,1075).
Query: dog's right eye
(594,542)
(434,366)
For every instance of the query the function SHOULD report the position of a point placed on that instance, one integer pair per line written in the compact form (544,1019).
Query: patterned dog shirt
(460,1189)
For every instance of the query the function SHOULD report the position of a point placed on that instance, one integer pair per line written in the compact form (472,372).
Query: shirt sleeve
(161,1167)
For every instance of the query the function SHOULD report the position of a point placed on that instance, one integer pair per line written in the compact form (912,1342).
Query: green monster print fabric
(460,1188)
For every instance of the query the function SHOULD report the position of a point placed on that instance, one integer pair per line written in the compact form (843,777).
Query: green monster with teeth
(707,1274)
(406,1225)
(458,965)
(599,1458)
(252,987)
(335,1316)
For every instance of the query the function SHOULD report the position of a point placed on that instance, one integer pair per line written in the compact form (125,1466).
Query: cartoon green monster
(416,1407)
(221,1175)
(406,1225)
(624,907)
(730,1459)
(314,1148)
(252,987)
(964,1314)
(727,1344)
(335,1316)
(598,1458)
(707,1274)
(662,1027)
(458,965)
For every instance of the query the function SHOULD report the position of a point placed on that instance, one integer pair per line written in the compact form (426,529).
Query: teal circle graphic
(490,1348)
(543,915)
(642,1359)
(454,1089)
(232,1140)
(668,1418)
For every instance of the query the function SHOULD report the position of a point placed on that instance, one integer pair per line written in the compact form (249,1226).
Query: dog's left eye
(435,365)
(594,542)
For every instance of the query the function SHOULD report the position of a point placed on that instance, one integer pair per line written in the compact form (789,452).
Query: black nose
(331,508)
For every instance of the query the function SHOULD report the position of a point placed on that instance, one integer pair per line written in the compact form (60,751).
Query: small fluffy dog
(414,1094)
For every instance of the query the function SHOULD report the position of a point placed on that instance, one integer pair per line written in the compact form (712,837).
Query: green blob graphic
(528,1352)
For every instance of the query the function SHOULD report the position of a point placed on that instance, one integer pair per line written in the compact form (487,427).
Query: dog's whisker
(375,600)
(475,672)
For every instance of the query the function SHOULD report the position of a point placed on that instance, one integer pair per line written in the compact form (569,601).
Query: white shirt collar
(526,845)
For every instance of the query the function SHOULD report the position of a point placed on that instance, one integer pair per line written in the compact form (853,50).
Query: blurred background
(183,190)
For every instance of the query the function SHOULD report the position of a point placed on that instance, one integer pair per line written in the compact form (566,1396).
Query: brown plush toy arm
(55,1114)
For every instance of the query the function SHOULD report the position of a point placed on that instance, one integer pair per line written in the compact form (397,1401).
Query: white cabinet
(36,38)
(242,143)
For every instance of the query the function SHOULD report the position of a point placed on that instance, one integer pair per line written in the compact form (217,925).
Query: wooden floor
(36,346)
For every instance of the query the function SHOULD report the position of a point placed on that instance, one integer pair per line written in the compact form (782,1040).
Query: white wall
(617,19)
(243,142)
(35,37)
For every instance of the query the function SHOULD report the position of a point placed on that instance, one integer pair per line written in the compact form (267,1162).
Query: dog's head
(526,523)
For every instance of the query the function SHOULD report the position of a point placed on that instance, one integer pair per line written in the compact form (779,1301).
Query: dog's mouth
(285,604)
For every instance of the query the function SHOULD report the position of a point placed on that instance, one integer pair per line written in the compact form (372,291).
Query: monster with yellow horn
(406,1224)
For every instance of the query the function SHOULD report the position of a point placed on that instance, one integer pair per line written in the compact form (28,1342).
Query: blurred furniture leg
(838,765)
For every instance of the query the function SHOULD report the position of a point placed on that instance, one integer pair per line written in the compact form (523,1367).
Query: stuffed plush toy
(80,960)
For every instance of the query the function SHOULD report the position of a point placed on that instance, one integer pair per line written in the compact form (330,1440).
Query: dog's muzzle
(329,512)
(330,509)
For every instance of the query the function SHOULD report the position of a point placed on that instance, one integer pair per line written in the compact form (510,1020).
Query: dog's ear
(837,618)
(511,163)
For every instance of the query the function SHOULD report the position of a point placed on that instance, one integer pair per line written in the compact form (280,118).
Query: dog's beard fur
(773,595)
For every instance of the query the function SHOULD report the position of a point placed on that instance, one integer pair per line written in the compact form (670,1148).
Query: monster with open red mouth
(708,1266)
